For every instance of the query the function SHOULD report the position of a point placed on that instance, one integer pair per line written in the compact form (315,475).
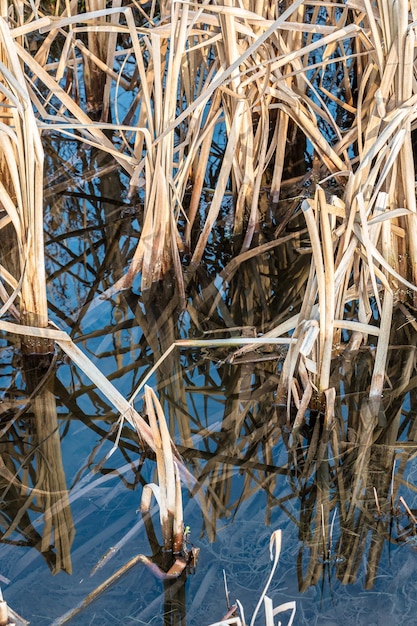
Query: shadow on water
(340,485)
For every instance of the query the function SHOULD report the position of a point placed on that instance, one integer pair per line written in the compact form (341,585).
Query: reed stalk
(253,74)
(22,194)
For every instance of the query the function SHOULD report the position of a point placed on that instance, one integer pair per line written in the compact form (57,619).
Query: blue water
(222,417)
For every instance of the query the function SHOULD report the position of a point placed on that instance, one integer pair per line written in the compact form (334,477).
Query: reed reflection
(349,473)
(350,494)
(336,464)
(33,486)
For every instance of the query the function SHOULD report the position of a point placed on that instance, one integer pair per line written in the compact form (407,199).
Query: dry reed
(343,78)
(22,196)
(262,73)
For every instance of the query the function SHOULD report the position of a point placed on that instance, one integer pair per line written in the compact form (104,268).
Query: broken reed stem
(170,496)
(98,591)
(165,466)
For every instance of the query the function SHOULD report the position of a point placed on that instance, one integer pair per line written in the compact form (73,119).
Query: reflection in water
(344,483)
(349,497)
(343,479)
(32,473)
(348,479)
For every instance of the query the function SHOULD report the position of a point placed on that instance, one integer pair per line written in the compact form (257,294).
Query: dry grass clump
(342,75)
(23,269)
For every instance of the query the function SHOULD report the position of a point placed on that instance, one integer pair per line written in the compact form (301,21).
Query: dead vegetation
(339,76)
(204,107)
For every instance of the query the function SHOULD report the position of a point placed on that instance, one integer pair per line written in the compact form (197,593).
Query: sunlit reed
(257,75)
